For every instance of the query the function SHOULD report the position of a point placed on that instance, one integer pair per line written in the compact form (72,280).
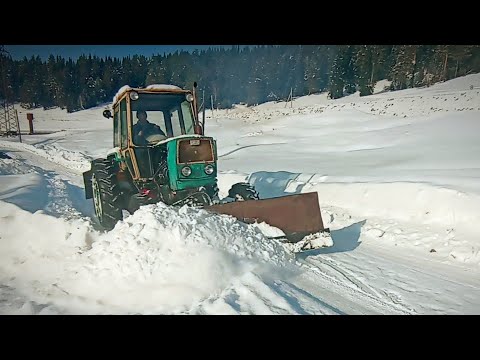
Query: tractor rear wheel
(107,196)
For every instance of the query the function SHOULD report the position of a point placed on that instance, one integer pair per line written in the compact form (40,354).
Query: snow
(397,176)
(154,261)
(120,92)
(162,87)
(73,160)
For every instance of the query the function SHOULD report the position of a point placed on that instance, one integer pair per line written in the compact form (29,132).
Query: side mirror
(107,113)
(198,129)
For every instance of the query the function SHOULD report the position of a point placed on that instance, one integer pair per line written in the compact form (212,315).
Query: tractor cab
(144,122)
(170,115)
(168,108)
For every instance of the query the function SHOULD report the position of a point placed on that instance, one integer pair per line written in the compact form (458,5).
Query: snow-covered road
(397,177)
(358,275)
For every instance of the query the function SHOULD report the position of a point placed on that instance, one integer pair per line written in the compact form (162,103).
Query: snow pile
(312,242)
(159,260)
(268,230)
(34,252)
(162,87)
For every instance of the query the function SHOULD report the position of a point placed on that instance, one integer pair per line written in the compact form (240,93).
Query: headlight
(134,95)
(186,171)
(209,169)
(189,97)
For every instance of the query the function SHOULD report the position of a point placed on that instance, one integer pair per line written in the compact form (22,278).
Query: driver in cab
(143,129)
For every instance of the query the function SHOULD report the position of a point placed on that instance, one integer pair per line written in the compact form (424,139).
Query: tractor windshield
(158,116)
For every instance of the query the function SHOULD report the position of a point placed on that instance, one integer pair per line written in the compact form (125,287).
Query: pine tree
(72,87)
(349,69)
(382,62)
(342,73)
(460,55)
(337,82)
(8,79)
(405,66)
(364,70)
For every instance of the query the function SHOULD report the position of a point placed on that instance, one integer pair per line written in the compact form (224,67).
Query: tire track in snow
(304,302)
(352,290)
(252,294)
(247,146)
(247,295)
(64,185)
(254,285)
(351,278)
(60,205)
(355,279)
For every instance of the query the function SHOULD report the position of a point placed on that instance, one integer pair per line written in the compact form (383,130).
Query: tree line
(235,74)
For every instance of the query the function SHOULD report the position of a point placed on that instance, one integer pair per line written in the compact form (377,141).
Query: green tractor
(160,153)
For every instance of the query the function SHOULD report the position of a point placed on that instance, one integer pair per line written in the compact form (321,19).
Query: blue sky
(74,51)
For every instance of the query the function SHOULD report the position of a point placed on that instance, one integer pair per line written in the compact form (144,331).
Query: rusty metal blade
(296,215)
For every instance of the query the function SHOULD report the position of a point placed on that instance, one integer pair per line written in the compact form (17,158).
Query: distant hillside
(252,75)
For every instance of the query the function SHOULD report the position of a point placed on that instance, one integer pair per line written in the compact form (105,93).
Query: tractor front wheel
(243,192)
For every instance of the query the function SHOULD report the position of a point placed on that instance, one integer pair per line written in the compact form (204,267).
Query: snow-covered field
(397,174)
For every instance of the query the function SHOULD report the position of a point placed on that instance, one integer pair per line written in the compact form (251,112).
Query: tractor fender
(87,181)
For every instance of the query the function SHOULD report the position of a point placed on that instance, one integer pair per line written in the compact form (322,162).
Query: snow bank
(407,202)
(164,259)
(74,160)
(419,203)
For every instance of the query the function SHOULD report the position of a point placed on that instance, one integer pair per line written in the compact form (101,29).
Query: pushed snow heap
(169,230)
(165,260)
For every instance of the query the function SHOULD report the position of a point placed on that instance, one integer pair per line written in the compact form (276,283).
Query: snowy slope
(397,175)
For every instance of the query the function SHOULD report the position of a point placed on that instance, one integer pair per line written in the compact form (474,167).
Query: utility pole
(290,98)
(211,98)
(203,110)
(9,124)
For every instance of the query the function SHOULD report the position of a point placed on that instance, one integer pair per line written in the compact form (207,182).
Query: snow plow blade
(296,215)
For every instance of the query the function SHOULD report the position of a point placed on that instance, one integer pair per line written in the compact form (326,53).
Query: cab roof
(160,88)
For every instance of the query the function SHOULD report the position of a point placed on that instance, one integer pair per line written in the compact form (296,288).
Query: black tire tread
(110,193)
(245,190)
